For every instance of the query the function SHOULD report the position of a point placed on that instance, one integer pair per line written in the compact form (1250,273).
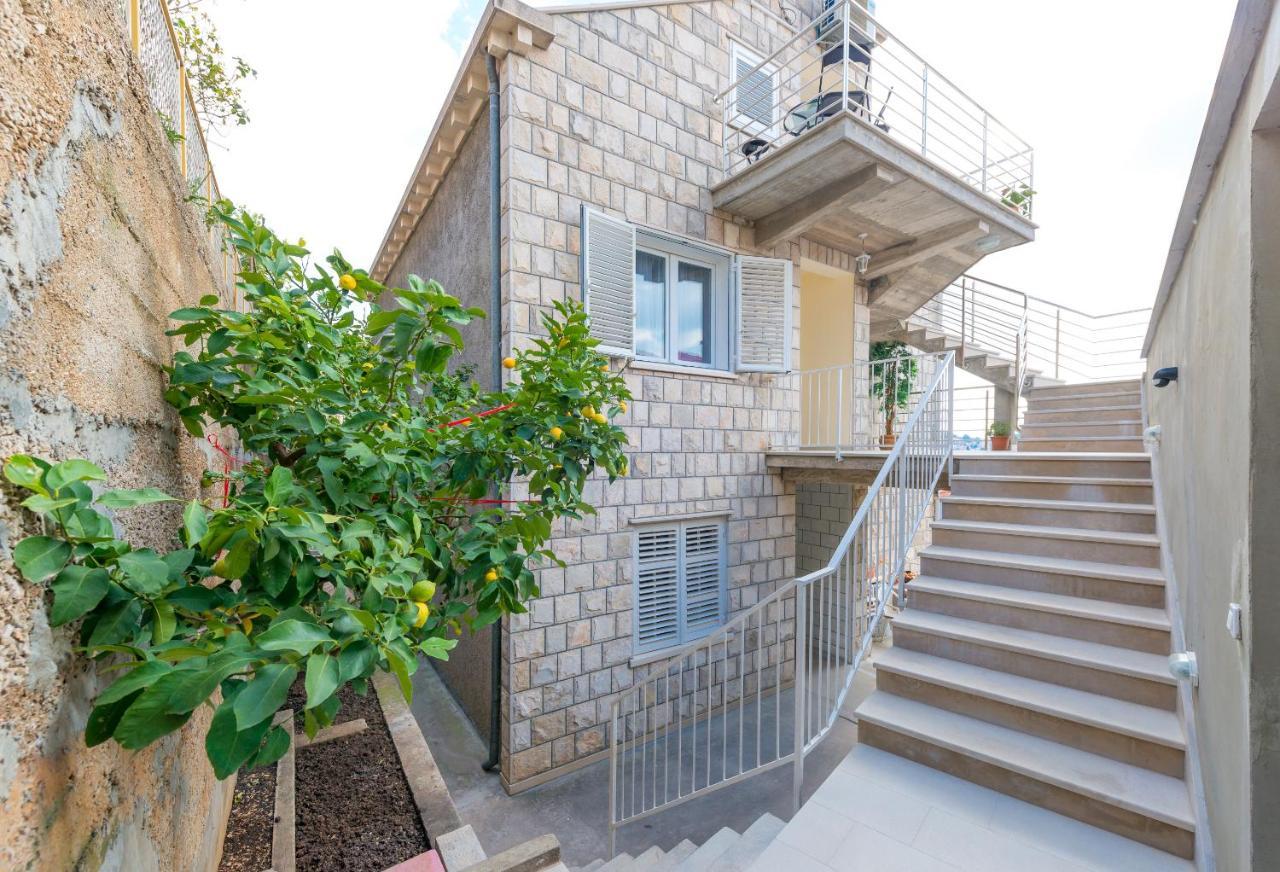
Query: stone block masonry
(96,247)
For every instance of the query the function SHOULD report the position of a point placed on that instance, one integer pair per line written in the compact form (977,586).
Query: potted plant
(893,374)
(1017,199)
(999,433)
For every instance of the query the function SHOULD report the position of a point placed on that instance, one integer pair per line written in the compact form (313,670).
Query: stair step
(673,858)
(1083,464)
(1132,549)
(709,851)
(1060,429)
(1131,801)
(1080,514)
(1146,723)
(1129,385)
(1081,443)
(1097,398)
(593,865)
(750,845)
(1110,670)
(620,863)
(647,861)
(1049,487)
(1141,628)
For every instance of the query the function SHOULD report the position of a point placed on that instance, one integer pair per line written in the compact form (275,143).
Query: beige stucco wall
(96,248)
(1213,328)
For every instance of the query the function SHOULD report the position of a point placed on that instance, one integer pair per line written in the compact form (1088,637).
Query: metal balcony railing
(764,689)
(845,61)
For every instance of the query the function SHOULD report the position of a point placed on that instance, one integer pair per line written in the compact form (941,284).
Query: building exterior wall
(96,248)
(449,245)
(824,511)
(618,113)
(1218,326)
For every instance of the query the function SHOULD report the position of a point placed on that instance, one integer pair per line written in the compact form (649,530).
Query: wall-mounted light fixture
(1163,376)
(863,261)
(1182,666)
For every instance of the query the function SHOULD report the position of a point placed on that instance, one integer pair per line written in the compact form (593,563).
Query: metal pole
(844,64)
(924,117)
(613,779)
(801,688)
(985,119)
(839,412)
(1057,340)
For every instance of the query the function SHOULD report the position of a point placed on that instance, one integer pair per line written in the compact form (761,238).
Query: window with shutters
(681,303)
(755,91)
(679,583)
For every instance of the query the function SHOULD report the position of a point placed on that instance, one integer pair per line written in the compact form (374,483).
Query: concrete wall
(95,249)
(823,513)
(451,245)
(1218,472)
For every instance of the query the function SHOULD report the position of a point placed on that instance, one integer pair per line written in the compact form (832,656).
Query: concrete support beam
(795,219)
(941,240)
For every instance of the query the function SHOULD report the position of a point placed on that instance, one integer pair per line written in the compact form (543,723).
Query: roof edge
(505,26)
(1247,29)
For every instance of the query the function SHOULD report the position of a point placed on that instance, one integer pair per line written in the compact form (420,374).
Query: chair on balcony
(811,112)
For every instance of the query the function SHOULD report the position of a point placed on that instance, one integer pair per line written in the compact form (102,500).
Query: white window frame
(683,634)
(740,120)
(723,315)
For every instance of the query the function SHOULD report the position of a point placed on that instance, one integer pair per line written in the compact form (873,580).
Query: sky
(1111,96)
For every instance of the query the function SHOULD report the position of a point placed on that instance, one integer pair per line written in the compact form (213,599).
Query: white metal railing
(844,408)
(1048,338)
(846,61)
(155,43)
(765,688)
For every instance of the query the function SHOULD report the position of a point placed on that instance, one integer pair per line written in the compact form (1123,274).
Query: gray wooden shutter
(764,314)
(657,607)
(608,280)
(703,578)
(753,93)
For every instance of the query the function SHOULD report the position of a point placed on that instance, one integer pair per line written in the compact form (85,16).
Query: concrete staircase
(997,368)
(726,851)
(1031,658)
(1097,416)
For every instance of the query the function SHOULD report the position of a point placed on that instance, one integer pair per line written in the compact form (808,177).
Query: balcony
(847,137)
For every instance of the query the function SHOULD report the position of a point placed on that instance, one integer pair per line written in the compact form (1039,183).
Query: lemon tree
(358,536)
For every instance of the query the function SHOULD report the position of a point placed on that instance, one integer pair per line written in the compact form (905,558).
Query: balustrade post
(801,690)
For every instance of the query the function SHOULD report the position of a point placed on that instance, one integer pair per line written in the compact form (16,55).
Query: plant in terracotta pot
(999,432)
(893,374)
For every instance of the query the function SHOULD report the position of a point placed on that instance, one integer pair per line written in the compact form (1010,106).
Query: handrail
(845,62)
(710,713)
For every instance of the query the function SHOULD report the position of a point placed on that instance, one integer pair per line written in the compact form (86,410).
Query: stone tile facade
(618,113)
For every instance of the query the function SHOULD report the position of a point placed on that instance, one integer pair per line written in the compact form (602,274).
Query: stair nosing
(1041,646)
(1110,537)
(1051,693)
(1136,406)
(1052,505)
(1039,563)
(1040,601)
(1179,817)
(1054,479)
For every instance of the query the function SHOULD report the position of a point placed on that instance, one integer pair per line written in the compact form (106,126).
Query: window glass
(694,306)
(651,305)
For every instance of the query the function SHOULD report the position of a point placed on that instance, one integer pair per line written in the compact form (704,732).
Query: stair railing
(763,690)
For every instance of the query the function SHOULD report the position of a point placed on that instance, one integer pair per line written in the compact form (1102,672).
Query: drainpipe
(495,341)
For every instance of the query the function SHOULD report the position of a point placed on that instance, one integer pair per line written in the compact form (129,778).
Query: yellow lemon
(509,362)
(556,432)
(604,367)
(622,407)
(424,612)
(302,243)
(422,591)
(347,281)
(564,341)
(588,412)
(622,470)
(491,575)
(599,419)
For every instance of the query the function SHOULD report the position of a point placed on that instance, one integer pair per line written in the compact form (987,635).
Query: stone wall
(96,247)
(618,113)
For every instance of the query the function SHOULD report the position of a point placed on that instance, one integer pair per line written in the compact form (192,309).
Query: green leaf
(147,719)
(272,749)
(61,474)
(76,590)
(356,660)
(38,557)
(438,647)
(45,505)
(194,523)
(322,678)
(144,573)
(189,314)
(264,694)
(227,746)
(279,486)
(139,678)
(293,635)
(105,717)
(117,624)
(165,624)
(127,499)
(26,472)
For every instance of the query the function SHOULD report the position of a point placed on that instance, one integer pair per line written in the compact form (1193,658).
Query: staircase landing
(880,812)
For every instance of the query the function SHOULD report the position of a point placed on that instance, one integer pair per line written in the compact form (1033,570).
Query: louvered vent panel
(753,95)
(702,571)
(764,303)
(657,611)
(608,276)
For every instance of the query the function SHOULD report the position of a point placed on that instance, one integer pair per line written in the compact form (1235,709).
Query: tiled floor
(881,813)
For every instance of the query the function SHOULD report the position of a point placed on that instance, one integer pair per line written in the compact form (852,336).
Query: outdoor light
(988,243)
(1162,377)
(1182,666)
(862,261)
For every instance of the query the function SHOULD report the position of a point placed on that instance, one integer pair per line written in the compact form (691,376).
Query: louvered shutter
(608,280)
(657,607)
(753,94)
(703,571)
(764,314)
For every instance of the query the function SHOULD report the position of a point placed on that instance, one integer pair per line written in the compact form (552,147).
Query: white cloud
(1112,96)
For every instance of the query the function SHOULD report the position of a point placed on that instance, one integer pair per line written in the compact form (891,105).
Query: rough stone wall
(618,113)
(96,248)
(823,513)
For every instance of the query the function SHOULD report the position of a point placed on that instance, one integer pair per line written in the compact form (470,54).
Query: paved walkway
(881,813)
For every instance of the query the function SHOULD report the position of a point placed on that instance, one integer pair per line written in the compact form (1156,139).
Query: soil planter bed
(354,809)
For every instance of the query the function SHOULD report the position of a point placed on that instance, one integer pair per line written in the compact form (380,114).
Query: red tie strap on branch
(228,463)
(486,413)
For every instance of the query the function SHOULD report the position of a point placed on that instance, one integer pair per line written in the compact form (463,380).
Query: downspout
(495,341)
